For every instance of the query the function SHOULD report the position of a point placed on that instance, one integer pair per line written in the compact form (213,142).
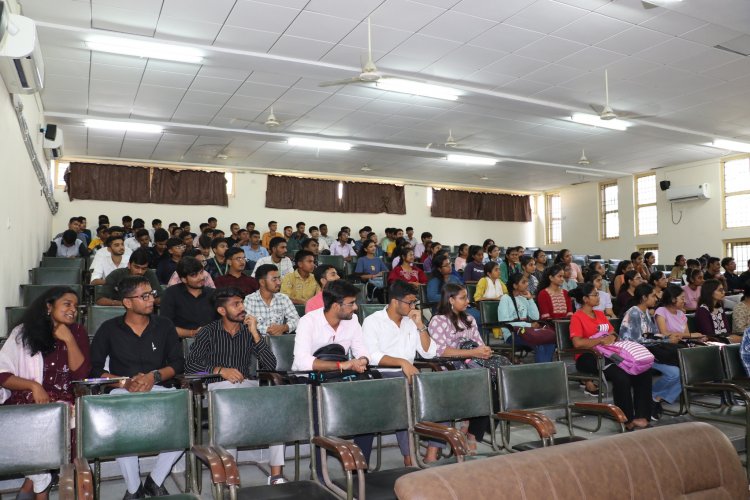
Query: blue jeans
(668,387)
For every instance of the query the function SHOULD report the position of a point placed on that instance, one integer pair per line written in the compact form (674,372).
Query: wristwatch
(157,376)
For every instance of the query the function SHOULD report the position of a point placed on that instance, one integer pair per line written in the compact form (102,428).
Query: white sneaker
(274,480)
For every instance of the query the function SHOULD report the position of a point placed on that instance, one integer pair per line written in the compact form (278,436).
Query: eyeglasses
(348,304)
(413,303)
(594,294)
(144,297)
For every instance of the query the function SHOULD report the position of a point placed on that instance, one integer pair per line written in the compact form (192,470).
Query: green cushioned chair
(734,370)
(77,263)
(31,292)
(282,347)
(99,314)
(300,309)
(364,310)
(261,416)
(536,388)
(36,439)
(137,424)
(13,316)
(336,261)
(566,352)
(450,396)
(702,373)
(340,415)
(55,276)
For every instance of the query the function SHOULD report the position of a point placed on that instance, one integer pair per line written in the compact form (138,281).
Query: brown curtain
(189,187)
(108,182)
(372,198)
(301,194)
(471,205)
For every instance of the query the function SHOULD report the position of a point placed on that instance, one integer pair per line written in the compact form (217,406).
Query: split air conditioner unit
(21,65)
(679,194)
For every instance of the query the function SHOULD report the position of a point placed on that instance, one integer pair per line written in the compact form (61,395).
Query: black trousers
(632,393)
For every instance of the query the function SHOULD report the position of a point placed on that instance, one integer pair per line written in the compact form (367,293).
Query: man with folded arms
(146,349)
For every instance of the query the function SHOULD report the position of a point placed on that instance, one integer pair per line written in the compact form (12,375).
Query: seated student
(276,258)
(188,305)
(102,233)
(323,248)
(122,340)
(710,318)
(448,329)
(218,265)
(84,232)
(394,336)
(518,308)
(431,252)
(670,316)
(159,251)
(370,268)
(553,300)
(204,243)
(693,289)
(397,239)
(155,225)
(442,274)
(405,271)
(399,247)
(300,285)
(733,281)
(511,264)
(140,239)
(41,358)
(605,299)
(311,245)
(485,249)
(324,274)
(540,261)
(659,281)
(74,224)
(274,311)
(379,252)
(565,258)
(713,269)
(137,266)
(678,269)
(474,270)
(207,279)
(639,265)
(493,255)
(167,266)
(596,267)
(745,277)
(490,287)
(254,251)
(235,277)
(528,266)
(342,247)
(270,234)
(115,256)
(631,393)
(741,313)
(568,282)
(67,245)
(420,248)
(631,280)
(623,267)
(638,325)
(463,252)
(226,347)
(649,259)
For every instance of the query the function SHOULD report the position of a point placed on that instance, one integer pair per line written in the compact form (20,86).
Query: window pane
(229,176)
(62,167)
(556,232)
(612,225)
(556,207)
(741,253)
(737,176)
(646,190)
(610,198)
(647,220)
(738,210)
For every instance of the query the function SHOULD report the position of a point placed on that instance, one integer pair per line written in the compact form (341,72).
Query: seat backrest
(282,346)
(300,309)
(700,364)
(336,261)
(31,292)
(134,424)
(363,407)
(258,416)
(533,386)
(35,438)
(488,311)
(471,289)
(364,310)
(99,314)
(55,276)
(733,367)
(451,395)
(77,263)
(13,316)
(616,323)
(692,324)
(562,334)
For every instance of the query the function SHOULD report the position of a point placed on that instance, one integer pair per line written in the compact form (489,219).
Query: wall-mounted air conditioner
(678,194)
(21,65)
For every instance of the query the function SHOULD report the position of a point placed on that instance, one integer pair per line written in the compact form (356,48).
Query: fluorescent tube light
(595,121)
(731,145)
(138,48)
(126,126)
(471,160)
(578,172)
(417,88)
(314,143)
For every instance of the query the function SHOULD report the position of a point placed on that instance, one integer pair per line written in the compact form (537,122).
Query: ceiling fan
(606,112)
(583,161)
(369,72)
(271,122)
(450,141)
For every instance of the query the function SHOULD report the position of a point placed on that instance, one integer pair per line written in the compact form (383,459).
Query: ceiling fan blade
(648,5)
(597,109)
(632,116)
(356,79)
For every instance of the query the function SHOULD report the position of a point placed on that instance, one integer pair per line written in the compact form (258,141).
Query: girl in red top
(554,302)
(632,393)
(406,272)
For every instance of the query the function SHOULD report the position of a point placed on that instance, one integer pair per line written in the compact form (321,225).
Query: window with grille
(645,200)
(737,192)
(650,248)
(610,214)
(740,251)
(553,203)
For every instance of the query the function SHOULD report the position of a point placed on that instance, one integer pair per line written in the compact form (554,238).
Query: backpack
(630,356)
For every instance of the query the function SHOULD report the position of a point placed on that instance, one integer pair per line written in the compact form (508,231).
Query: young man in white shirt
(116,257)
(394,336)
(342,247)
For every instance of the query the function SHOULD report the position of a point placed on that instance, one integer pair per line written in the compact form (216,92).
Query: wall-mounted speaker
(664,185)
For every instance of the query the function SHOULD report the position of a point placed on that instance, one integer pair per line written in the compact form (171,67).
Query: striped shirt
(214,347)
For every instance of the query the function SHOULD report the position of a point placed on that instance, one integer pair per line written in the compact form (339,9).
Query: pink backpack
(630,356)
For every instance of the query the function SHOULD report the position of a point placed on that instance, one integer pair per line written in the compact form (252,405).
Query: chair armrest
(428,365)
(212,460)
(603,408)
(544,427)
(343,450)
(273,378)
(583,350)
(67,483)
(231,472)
(451,435)
(84,479)
(721,386)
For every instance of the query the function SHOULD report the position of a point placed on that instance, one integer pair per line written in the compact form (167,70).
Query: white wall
(248,204)
(699,230)
(25,219)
